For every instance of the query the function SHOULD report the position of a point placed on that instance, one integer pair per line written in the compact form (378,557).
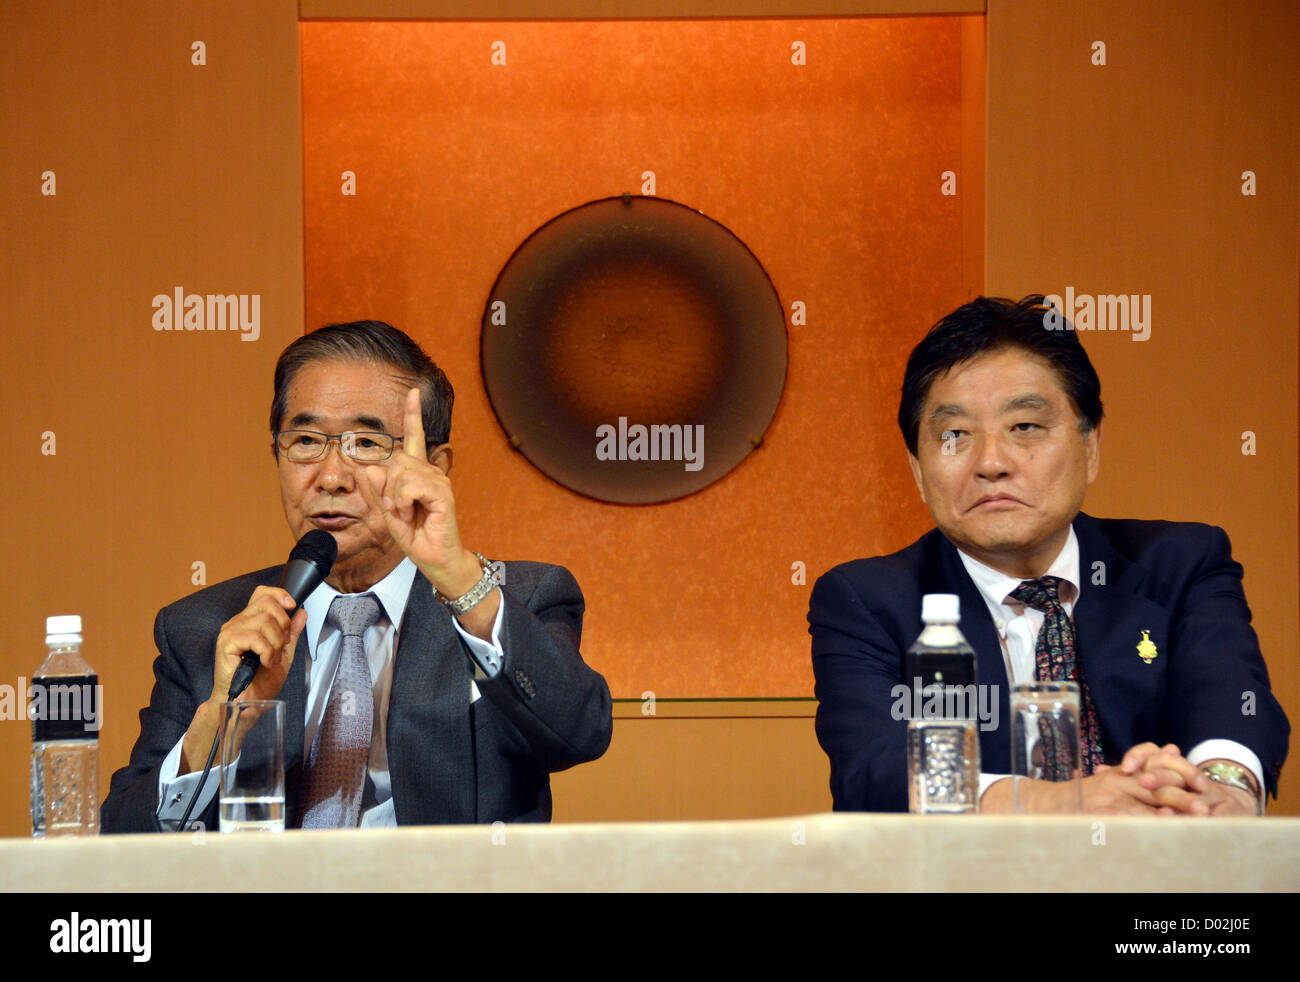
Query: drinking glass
(1045,742)
(252,766)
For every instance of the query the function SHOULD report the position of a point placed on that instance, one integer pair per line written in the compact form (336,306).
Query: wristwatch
(470,599)
(1234,776)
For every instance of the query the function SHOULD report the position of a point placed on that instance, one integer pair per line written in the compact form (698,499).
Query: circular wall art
(634,350)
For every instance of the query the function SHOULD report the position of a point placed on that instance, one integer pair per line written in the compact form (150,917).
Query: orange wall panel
(1127,177)
(830,172)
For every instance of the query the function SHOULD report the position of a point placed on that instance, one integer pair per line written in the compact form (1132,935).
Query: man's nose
(335,468)
(993,459)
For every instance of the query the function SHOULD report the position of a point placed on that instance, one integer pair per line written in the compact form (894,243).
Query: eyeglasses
(302,446)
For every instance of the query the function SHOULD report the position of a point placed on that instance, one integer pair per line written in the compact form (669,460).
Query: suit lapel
(1109,621)
(430,742)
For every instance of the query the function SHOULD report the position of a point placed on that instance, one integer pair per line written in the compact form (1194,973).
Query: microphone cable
(212,755)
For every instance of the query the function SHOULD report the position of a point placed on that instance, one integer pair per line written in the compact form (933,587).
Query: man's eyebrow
(360,422)
(1031,400)
(946,410)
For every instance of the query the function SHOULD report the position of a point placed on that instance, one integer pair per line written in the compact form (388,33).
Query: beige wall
(1122,178)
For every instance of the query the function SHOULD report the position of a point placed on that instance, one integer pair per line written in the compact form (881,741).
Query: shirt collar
(391,592)
(995,587)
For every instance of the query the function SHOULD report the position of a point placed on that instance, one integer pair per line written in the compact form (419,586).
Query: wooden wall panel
(167,174)
(640,9)
(701,761)
(1127,178)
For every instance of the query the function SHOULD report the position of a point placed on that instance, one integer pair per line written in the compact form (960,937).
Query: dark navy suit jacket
(450,762)
(1177,581)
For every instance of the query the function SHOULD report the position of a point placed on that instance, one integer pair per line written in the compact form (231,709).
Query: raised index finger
(413,427)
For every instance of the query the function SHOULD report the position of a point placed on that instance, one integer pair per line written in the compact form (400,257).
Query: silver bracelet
(471,599)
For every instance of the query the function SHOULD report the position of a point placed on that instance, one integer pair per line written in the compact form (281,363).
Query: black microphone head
(319,548)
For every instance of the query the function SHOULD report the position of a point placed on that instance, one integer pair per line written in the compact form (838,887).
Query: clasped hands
(1161,781)
(1149,780)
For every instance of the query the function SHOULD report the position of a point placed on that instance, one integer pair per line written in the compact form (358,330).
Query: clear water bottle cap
(65,628)
(940,608)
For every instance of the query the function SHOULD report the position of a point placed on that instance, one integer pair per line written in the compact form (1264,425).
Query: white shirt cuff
(988,780)
(487,655)
(174,793)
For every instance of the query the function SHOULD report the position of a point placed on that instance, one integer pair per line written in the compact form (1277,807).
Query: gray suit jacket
(450,762)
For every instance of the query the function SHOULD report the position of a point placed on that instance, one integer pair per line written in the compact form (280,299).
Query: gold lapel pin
(1147,648)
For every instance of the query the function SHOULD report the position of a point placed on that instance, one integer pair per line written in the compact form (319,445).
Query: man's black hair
(988,324)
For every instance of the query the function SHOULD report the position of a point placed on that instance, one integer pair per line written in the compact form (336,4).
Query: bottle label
(940,667)
(942,684)
(64,708)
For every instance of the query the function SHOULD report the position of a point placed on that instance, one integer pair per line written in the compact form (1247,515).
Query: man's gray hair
(370,342)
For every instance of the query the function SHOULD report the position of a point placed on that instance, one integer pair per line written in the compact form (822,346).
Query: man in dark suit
(421,683)
(1001,413)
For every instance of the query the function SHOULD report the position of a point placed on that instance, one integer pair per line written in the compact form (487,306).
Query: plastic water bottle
(943,752)
(65,735)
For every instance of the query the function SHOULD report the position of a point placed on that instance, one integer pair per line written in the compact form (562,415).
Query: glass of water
(1045,742)
(252,766)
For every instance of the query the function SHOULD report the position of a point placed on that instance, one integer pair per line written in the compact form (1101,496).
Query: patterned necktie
(1055,661)
(335,774)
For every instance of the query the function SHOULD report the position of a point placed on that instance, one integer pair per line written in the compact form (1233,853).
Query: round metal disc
(634,350)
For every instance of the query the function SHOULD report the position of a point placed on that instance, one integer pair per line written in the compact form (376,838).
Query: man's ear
(916,474)
(1092,448)
(440,457)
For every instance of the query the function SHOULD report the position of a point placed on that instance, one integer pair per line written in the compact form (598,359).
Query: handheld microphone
(309,564)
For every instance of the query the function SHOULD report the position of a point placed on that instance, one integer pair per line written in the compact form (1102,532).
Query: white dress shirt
(1018,626)
(324,645)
